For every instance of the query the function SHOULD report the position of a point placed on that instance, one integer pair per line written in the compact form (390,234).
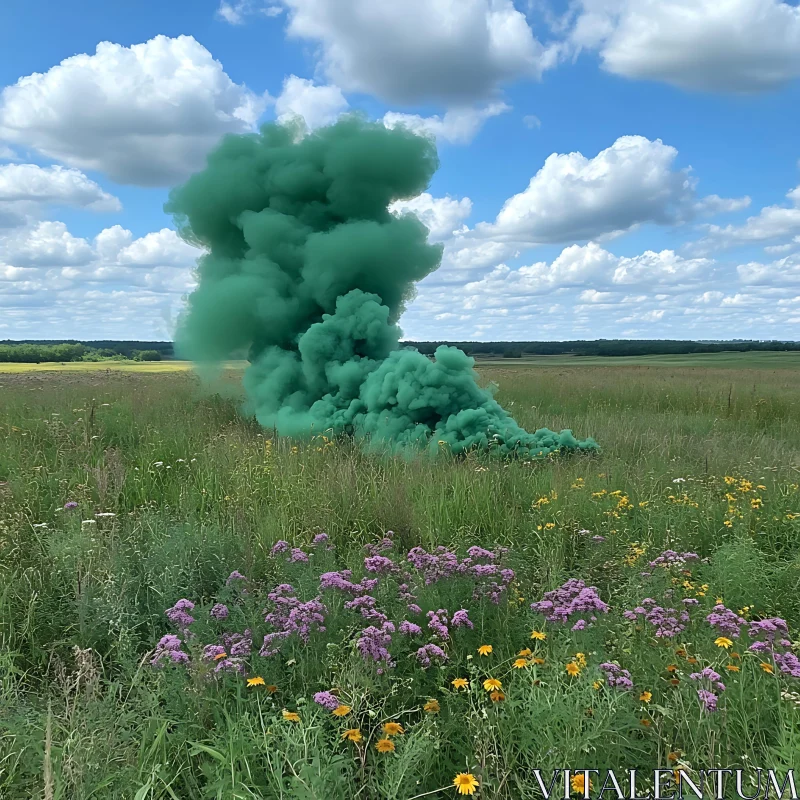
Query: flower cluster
(169,649)
(668,622)
(572,599)
(727,622)
(617,677)
(710,680)
(770,635)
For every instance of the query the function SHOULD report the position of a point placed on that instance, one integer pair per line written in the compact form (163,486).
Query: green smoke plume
(308,270)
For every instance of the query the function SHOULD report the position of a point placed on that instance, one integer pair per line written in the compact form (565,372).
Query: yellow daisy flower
(767,667)
(525,652)
(393,729)
(573,669)
(723,641)
(460,683)
(538,635)
(352,735)
(520,663)
(497,697)
(432,707)
(341,711)
(384,746)
(491,684)
(290,716)
(257,681)
(466,783)
(646,697)
(485,649)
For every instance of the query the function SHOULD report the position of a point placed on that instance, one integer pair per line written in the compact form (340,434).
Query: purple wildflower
(379,564)
(727,622)
(320,538)
(671,558)
(708,699)
(211,651)
(414,608)
(298,556)
(709,676)
(327,700)
(437,622)
(668,622)
(179,614)
(617,677)
(461,619)
(235,576)
(279,547)
(427,652)
(219,611)
(169,649)
(409,628)
(70,504)
(572,598)
(374,643)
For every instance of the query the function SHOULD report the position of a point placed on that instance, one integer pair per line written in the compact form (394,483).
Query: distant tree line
(32,351)
(37,352)
(603,347)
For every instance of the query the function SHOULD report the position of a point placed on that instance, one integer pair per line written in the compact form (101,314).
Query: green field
(175,489)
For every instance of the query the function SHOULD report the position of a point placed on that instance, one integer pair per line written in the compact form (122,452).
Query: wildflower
(767,667)
(460,683)
(538,635)
(234,576)
(497,697)
(393,729)
(708,699)
(672,667)
(341,711)
(69,505)
(578,784)
(732,668)
(491,684)
(485,649)
(327,700)
(537,660)
(723,641)
(290,716)
(646,697)
(645,722)
(617,677)
(580,658)
(431,707)
(597,685)
(218,656)
(466,783)
(428,652)
(460,619)
(384,746)
(271,688)
(525,652)
(352,735)
(257,681)
(673,756)
(179,615)
(573,669)
(520,663)
(219,611)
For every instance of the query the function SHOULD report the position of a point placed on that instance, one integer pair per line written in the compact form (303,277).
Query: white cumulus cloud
(713,45)
(146,114)
(317,105)
(420,50)
(458,125)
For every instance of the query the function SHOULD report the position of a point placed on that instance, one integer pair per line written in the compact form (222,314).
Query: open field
(175,489)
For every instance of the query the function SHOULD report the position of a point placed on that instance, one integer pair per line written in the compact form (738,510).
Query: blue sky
(609,168)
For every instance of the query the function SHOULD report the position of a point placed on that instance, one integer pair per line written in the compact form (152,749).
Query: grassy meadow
(169,491)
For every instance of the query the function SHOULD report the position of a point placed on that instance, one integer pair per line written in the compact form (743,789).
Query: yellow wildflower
(341,711)
(460,683)
(352,735)
(466,783)
(485,649)
(257,681)
(520,663)
(384,746)
(393,729)
(538,635)
(573,669)
(646,697)
(723,641)
(491,684)
(290,716)
(431,707)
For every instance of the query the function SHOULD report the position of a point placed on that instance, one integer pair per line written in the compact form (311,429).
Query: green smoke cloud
(308,270)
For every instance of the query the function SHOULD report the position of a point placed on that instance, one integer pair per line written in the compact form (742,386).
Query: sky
(609,168)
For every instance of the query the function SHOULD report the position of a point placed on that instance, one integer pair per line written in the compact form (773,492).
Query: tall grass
(197,491)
